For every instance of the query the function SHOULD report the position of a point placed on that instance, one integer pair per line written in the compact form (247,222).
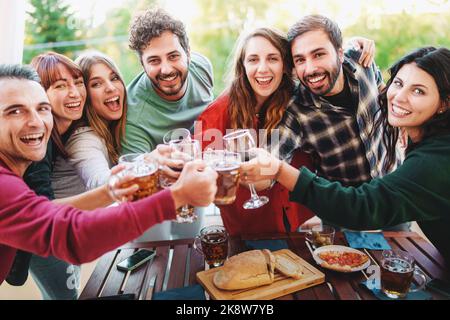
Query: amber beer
(214,242)
(148,185)
(396,276)
(227,183)
(226,164)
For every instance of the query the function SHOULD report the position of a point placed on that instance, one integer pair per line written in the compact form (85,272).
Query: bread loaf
(246,270)
(285,265)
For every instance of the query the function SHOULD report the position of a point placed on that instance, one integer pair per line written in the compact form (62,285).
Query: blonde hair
(242,99)
(111,131)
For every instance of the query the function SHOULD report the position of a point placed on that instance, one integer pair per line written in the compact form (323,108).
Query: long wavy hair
(111,131)
(242,98)
(435,62)
(46,64)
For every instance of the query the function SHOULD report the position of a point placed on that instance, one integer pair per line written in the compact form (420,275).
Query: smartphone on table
(136,260)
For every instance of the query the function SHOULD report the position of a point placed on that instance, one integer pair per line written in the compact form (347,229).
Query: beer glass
(241,141)
(398,269)
(145,172)
(226,164)
(213,245)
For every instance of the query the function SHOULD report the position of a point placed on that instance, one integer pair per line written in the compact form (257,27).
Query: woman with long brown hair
(94,147)
(260,87)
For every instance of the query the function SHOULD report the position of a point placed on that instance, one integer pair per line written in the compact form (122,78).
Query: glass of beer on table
(212,243)
(398,269)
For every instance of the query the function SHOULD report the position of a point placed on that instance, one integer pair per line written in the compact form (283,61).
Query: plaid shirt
(338,140)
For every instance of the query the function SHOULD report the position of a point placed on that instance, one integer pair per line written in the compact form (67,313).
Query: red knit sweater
(37,225)
(268,218)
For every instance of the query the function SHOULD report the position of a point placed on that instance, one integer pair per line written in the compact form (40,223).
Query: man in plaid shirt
(333,111)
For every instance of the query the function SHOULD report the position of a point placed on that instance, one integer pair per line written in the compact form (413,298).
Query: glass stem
(253,191)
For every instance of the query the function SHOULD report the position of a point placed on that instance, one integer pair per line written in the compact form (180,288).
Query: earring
(440,111)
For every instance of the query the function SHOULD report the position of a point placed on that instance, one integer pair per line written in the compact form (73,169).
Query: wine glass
(241,141)
(185,150)
(177,134)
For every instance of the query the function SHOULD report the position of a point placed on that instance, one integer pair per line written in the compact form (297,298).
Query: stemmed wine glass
(241,141)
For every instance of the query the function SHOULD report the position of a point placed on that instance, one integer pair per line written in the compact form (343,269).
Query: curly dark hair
(151,24)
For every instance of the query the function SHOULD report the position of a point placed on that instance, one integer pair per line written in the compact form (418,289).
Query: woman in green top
(416,99)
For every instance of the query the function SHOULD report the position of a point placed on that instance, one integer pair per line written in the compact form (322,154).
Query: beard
(331,75)
(170,90)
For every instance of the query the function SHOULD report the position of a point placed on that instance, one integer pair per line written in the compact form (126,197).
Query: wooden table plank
(430,250)
(197,264)
(98,277)
(159,266)
(178,267)
(422,260)
(116,277)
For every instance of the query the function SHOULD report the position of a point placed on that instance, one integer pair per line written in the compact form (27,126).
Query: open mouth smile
(399,112)
(32,139)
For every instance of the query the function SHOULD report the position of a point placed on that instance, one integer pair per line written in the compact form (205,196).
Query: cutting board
(281,286)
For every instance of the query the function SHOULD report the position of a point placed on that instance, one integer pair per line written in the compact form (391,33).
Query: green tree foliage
(217,28)
(117,26)
(51,21)
(397,34)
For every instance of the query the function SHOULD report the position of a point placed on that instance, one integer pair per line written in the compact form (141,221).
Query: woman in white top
(94,147)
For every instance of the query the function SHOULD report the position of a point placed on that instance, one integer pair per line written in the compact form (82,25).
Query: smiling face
(413,98)
(26,121)
(67,96)
(166,64)
(317,64)
(263,67)
(106,92)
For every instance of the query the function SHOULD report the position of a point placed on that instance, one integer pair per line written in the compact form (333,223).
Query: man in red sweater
(35,224)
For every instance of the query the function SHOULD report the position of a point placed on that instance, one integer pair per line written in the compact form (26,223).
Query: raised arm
(88,154)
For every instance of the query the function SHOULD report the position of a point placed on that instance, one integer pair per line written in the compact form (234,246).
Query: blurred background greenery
(71,26)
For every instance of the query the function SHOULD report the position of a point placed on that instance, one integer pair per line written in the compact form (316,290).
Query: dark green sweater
(418,190)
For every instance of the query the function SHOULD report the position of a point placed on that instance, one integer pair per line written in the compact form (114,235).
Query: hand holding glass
(241,142)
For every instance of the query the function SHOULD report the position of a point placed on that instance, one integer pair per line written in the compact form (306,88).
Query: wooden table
(177,263)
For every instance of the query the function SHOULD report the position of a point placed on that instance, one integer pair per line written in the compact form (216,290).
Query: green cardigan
(419,190)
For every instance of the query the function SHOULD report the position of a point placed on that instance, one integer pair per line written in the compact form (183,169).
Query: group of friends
(343,145)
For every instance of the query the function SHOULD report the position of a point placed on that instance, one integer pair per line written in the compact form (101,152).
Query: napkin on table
(367,240)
